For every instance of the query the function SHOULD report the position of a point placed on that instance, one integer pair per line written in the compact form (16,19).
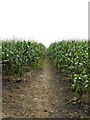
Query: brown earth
(41,94)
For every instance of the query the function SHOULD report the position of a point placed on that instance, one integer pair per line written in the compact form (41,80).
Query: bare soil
(41,94)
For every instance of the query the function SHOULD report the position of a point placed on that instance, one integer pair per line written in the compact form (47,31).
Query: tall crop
(18,55)
(72,58)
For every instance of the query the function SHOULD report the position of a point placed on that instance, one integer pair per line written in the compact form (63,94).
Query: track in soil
(41,94)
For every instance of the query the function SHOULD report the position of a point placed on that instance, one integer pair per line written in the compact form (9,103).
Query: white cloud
(44,20)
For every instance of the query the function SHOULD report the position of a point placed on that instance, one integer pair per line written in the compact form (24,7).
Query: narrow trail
(42,94)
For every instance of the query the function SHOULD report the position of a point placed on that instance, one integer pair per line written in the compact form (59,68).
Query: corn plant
(72,58)
(17,56)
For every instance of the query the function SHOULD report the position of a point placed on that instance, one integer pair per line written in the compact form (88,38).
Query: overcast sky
(44,20)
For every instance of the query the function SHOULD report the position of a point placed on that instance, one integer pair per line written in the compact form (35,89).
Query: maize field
(72,57)
(17,56)
(45,82)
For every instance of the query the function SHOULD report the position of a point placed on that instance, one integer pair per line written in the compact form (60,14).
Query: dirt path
(42,94)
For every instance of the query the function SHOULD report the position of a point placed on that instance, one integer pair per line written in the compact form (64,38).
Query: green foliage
(72,57)
(17,56)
